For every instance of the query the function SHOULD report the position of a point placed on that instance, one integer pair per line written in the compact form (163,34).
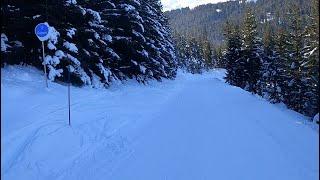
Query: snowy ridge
(171,130)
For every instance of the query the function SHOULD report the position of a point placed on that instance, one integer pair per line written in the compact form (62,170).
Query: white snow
(68,2)
(310,53)
(73,59)
(71,32)
(95,14)
(36,16)
(83,11)
(127,7)
(270,17)
(18,44)
(96,81)
(112,53)
(105,71)
(70,46)
(87,52)
(96,35)
(218,10)
(54,60)
(195,127)
(4,40)
(53,72)
(51,46)
(59,54)
(52,35)
(316,118)
(144,53)
(142,69)
(107,38)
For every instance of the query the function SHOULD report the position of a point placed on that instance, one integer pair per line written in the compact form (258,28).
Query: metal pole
(69,95)
(44,65)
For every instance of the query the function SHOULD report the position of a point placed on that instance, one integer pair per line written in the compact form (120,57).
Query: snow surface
(4,40)
(195,127)
(316,118)
(70,46)
(69,2)
(71,32)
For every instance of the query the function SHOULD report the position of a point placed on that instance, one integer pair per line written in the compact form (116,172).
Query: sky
(174,4)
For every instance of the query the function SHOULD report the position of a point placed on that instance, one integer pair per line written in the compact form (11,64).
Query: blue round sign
(42,30)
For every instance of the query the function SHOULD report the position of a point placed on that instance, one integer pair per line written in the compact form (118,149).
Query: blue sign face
(42,30)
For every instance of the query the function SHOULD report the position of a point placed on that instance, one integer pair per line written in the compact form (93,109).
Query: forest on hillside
(208,21)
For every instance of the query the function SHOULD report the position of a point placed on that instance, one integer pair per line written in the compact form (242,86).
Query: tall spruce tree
(269,74)
(207,54)
(190,54)
(295,48)
(311,61)
(233,55)
(252,53)
(280,62)
(158,40)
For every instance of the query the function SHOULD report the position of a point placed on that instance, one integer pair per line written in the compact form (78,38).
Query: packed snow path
(196,127)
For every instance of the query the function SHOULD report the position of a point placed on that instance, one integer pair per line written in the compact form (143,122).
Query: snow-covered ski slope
(193,128)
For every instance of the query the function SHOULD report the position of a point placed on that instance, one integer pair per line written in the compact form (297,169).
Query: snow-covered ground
(195,127)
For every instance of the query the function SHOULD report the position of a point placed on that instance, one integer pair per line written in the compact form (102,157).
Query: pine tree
(20,31)
(190,54)
(252,53)
(233,55)
(97,45)
(295,49)
(180,43)
(159,45)
(280,74)
(207,54)
(311,62)
(268,80)
(218,56)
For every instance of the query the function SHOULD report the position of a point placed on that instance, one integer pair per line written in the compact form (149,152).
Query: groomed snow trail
(193,128)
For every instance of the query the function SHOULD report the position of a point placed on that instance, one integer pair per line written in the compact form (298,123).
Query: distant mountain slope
(208,20)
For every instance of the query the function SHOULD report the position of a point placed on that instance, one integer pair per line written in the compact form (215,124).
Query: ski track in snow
(195,127)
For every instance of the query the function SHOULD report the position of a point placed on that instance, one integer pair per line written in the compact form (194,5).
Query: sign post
(42,32)
(69,68)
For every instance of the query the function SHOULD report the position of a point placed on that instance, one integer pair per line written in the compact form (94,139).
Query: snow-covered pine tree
(196,57)
(66,45)
(233,55)
(295,48)
(252,53)
(207,54)
(268,81)
(96,53)
(280,62)
(20,19)
(127,38)
(63,50)
(168,51)
(218,54)
(158,46)
(100,41)
(180,43)
(189,54)
(311,61)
